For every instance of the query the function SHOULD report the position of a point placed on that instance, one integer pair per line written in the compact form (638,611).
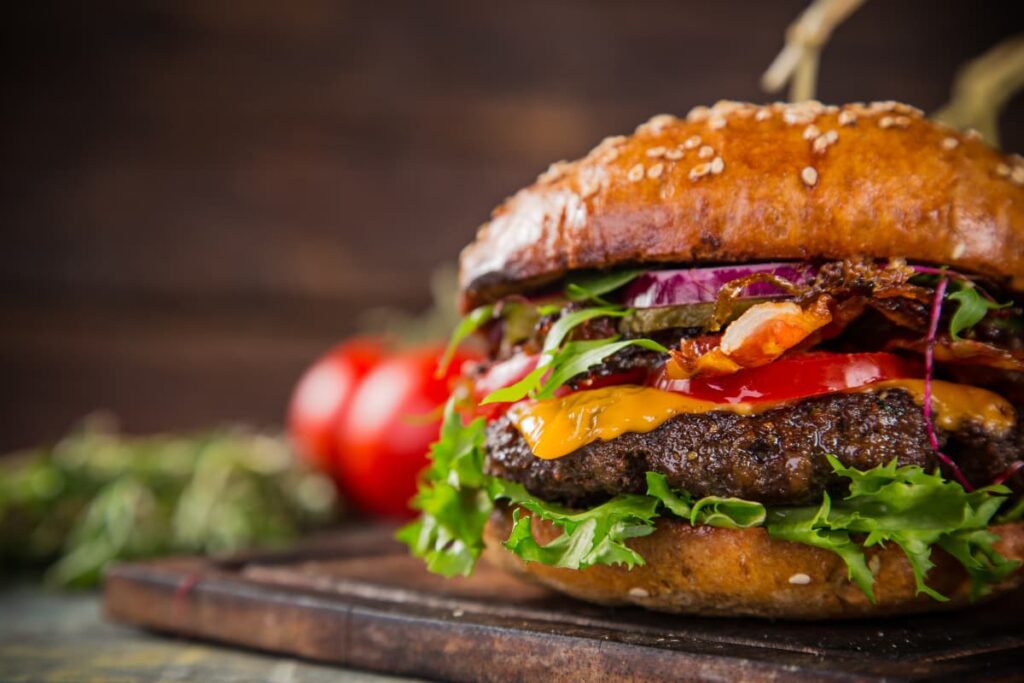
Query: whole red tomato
(324,394)
(383,440)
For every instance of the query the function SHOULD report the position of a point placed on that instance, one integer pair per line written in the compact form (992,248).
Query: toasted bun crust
(739,182)
(733,572)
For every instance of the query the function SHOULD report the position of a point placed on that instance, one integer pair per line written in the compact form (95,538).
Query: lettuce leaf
(453,500)
(911,508)
(730,513)
(594,536)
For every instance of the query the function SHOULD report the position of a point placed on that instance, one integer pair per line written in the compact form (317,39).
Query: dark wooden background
(199,196)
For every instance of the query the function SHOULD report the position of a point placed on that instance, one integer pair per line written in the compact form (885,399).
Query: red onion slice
(701,285)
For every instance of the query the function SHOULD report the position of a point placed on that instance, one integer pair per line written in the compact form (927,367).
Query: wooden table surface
(356,598)
(48,636)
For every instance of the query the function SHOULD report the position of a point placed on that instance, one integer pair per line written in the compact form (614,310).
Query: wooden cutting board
(356,598)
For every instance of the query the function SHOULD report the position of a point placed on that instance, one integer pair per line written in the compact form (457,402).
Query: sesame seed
(809,176)
(959,250)
(655,152)
(716,122)
(811,132)
(800,579)
(763,115)
(638,592)
(950,143)
(674,154)
(692,142)
(655,171)
(705,152)
(589,187)
(972,134)
(885,122)
(657,123)
(611,155)
(1017,175)
(901,121)
(699,171)
(698,113)
(907,109)
(554,172)
(1002,170)
(635,173)
(847,118)
(717,165)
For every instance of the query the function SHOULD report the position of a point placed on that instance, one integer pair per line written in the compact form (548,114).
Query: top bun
(739,182)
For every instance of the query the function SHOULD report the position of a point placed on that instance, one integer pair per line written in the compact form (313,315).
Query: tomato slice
(809,374)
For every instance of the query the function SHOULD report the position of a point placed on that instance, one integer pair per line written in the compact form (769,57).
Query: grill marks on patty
(776,457)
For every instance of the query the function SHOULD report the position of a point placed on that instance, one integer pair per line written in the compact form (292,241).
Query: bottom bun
(733,572)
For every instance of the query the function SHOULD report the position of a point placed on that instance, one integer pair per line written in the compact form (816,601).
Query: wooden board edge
(213,606)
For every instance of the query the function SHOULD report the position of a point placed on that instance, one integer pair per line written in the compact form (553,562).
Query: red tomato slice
(809,374)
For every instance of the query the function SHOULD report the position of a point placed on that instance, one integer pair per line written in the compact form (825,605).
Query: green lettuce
(908,507)
(594,536)
(913,509)
(453,500)
(730,513)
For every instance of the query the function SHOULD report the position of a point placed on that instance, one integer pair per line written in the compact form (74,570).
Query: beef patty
(775,457)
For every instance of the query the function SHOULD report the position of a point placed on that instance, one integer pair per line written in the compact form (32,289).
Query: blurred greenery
(98,496)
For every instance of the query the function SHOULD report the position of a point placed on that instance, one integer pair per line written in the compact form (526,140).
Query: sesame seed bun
(738,182)
(744,572)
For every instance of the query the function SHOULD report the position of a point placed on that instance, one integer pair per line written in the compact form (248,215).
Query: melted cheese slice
(559,426)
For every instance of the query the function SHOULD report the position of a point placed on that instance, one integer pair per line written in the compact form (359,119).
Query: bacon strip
(763,333)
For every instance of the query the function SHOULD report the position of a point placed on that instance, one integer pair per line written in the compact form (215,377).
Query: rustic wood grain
(361,601)
(201,195)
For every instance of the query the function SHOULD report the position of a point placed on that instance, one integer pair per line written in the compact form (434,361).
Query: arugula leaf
(590,287)
(452,499)
(973,307)
(578,357)
(559,362)
(565,324)
(469,324)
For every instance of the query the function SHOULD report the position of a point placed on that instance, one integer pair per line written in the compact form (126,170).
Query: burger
(760,360)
